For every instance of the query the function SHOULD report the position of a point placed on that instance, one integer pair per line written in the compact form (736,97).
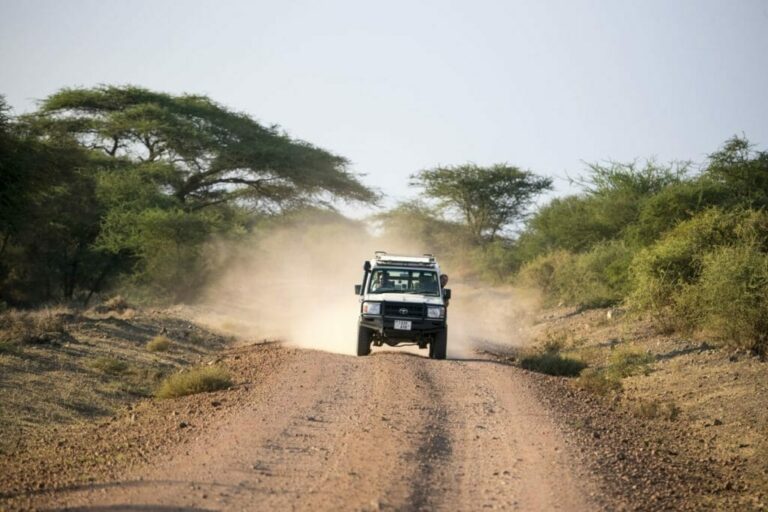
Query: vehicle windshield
(423,282)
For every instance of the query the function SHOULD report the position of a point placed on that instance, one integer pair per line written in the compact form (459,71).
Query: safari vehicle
(402,301)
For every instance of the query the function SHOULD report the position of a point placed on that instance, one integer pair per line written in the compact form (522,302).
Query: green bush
(674,204)
(544,273)
(731,297)
(595,278)
(708,272)
(661,271)
(553,363)
(196,380)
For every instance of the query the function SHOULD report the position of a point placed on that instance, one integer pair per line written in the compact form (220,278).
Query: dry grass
(109,365)
(93,366)
(33,327)
(195,380)
(159,343)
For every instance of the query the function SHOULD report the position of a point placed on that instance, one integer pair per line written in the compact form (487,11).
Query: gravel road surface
(393,431)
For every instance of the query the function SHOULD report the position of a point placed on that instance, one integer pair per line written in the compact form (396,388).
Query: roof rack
(384,259)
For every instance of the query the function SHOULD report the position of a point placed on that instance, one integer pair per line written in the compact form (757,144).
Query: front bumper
(385,327)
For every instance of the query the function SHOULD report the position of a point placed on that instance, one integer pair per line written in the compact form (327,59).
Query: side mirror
(447,293)
(358,289)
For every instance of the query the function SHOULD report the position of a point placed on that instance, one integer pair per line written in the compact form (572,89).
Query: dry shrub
(626,362)
(195,380)
(656,409)
(598,382)
(553,363)
(117,303)
(33,327)
(159,343)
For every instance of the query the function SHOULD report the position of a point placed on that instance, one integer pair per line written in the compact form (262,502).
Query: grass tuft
(196,380)
(159,343)
(109,365)
(553,363)
(656,409)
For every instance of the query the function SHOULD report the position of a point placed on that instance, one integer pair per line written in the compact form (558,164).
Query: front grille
(403,309)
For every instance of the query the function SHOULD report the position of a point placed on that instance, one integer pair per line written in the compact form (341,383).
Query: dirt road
(392,431)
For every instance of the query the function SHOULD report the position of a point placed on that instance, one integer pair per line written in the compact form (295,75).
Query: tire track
(434,450)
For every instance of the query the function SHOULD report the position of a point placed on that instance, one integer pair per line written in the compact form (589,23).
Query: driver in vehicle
(382,281)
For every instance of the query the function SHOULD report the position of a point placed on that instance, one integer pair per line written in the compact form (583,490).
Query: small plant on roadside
(195,380)
(656,409)
(598,382)
(553,363)
(109,365)
(628,362)
(159,343)
(554,343)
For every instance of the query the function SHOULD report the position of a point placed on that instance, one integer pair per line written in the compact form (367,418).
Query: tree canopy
(200,152)
(488,199)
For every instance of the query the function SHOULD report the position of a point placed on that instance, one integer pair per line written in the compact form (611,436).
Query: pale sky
(398,86)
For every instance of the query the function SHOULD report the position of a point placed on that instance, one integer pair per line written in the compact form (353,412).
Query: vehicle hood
(404,297)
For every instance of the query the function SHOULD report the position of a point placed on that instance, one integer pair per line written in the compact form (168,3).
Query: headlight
(435,312)
(372,308)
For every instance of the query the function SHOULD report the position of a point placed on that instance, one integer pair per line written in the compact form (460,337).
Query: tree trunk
(100,279)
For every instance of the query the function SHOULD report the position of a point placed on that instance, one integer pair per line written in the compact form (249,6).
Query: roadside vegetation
(688,248)
(194,380)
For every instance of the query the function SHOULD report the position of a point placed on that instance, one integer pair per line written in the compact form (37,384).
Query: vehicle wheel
(439,345)
(363,341)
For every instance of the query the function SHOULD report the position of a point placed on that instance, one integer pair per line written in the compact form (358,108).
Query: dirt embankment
(693,424)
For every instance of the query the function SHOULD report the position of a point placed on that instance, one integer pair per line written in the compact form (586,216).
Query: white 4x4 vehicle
(402,300)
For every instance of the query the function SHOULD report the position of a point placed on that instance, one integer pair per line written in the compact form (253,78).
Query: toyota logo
(403,311)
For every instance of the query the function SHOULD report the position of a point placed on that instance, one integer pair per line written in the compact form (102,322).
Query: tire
(363,341)
(439,346)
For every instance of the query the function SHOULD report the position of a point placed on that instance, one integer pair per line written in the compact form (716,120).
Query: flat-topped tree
(487,199)
(200,152)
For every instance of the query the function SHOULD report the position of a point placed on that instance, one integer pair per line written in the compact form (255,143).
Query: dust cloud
(296,284)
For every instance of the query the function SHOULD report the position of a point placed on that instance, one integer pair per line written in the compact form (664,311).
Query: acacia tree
(200,152)
(123,184)
(488,199)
